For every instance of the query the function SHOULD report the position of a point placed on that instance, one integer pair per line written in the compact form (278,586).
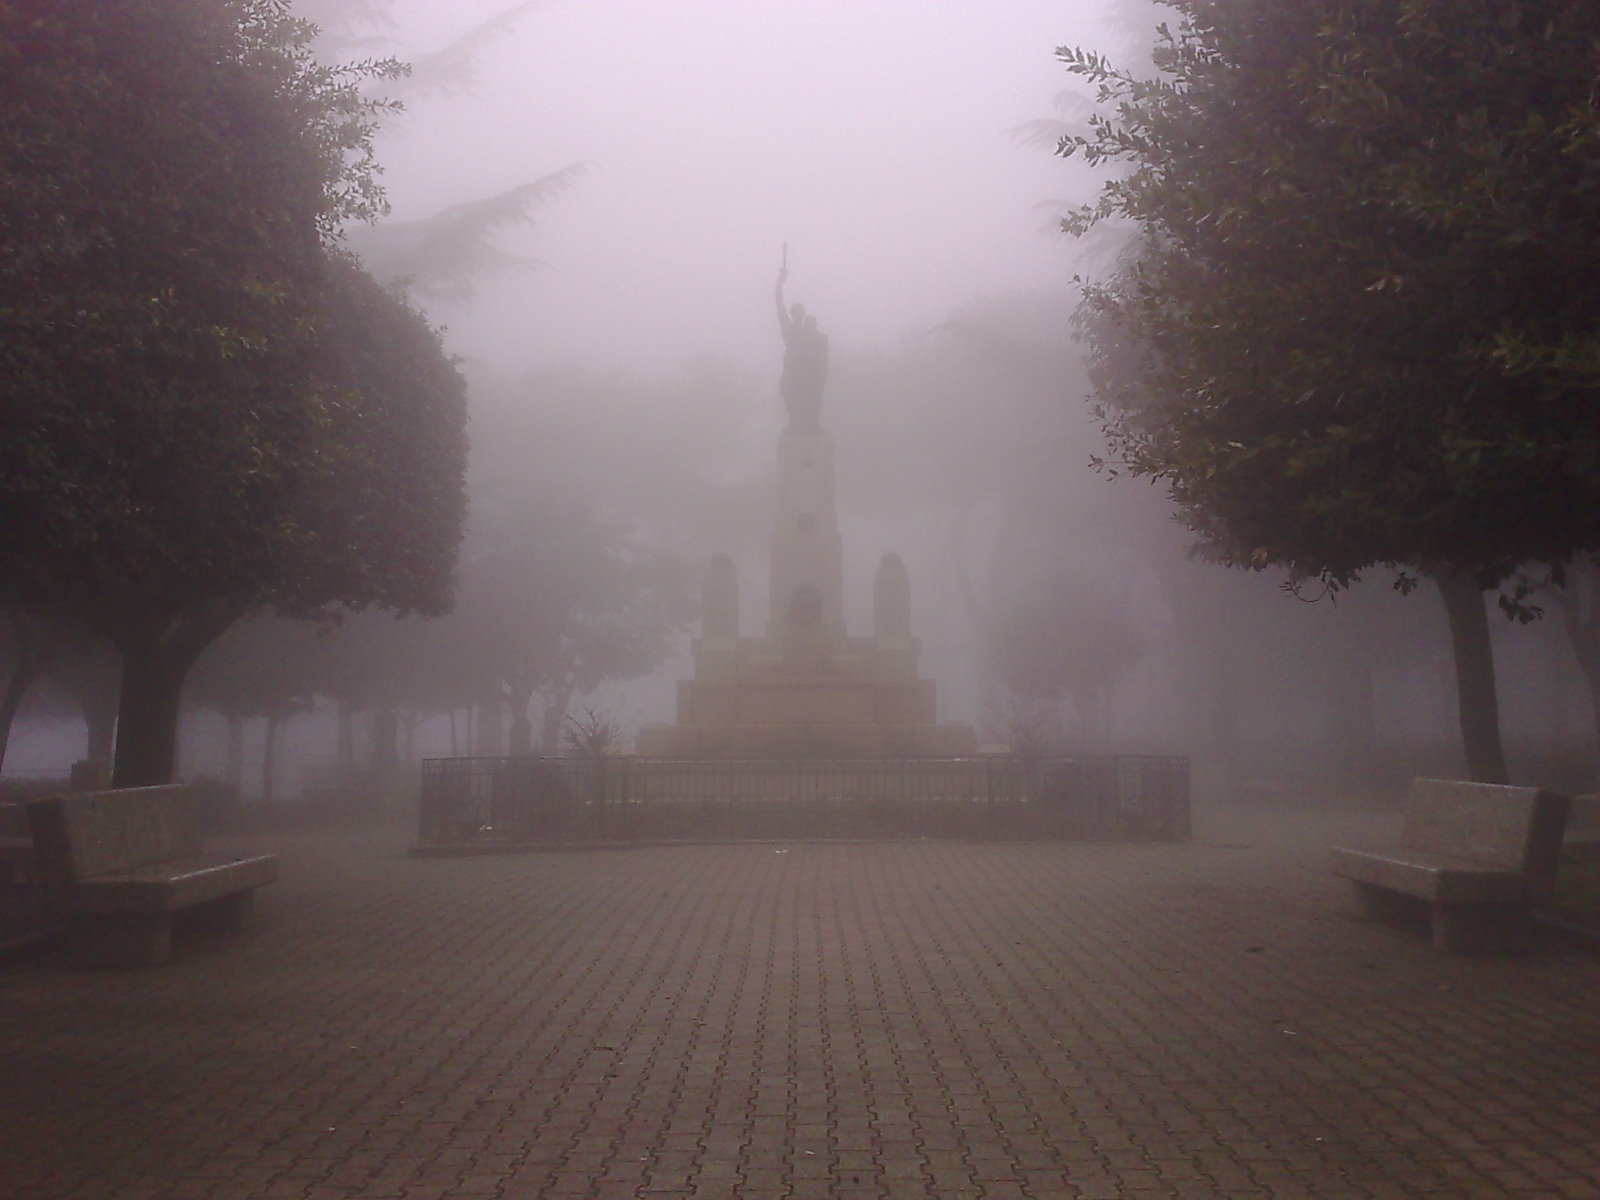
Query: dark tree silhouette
(188,429)
(1356,341)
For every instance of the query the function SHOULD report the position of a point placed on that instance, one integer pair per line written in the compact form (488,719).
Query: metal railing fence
(484,801)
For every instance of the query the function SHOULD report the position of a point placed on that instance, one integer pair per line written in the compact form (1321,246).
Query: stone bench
(1479,855)
(119,864)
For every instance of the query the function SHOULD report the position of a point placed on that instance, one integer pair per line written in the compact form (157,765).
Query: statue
(805,362)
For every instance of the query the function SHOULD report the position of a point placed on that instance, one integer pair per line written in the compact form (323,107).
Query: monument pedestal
(854,698)
(806,689)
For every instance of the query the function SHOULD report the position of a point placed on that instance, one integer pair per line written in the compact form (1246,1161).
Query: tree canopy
(1362,322)
(205,408)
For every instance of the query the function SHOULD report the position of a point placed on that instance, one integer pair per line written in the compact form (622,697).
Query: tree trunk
(1586,650)
(489,729)
(17,684)
(346,752)
(1590,665)
(91,678)
(157,649)
(521,735)
(269,757)
(555,717)
(1475,687)
(1221,694)
(1580,616)
(10,702)
(385,741)
(100,728)
(521,740)
(233,763)
(34,644)
(147,729)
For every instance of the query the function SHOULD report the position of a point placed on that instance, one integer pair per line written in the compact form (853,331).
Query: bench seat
(1436,878)
(169,887)
(120,864)
(1477,855)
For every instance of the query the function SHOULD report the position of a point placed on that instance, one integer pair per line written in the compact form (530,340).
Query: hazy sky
(868,135)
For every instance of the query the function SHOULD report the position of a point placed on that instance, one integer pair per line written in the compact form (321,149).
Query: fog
(869,138)
(876,150)
(624,356)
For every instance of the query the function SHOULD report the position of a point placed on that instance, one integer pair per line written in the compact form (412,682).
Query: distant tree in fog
(64,670)
(594,497)
(556,602)
(445,254)
(206,408)
(969,424)
(1578,599)
(259,668)
(1573,589)
(28,644)
(1064,637)
(397,672)
(356,30)
(1362,325)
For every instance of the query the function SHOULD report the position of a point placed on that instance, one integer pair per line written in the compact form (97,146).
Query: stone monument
(805,688)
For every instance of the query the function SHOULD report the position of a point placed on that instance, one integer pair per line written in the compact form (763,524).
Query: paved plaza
(811,1021)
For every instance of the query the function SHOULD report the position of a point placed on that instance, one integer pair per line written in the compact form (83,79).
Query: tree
(259,668)
(87,675)
(966,449)
(585,535)
(1063,636)
(1362,324)
(444,255)
(384,498)
(1579,603)
(1573,588)
(28,644)
(195,421)
(558,602)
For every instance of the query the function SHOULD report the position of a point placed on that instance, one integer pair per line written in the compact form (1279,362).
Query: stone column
(891,602)
(807,570)
(719,600)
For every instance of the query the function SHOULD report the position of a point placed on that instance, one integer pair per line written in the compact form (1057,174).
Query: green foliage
(1362,324)
(205,408)
(171,170)
(384,512)
(444,255)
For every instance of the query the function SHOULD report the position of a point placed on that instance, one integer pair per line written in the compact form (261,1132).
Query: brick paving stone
(950,1021)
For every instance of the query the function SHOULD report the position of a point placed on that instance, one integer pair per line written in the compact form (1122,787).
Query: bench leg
(1384,906)
(1481,928)
(223,915)
(118,940)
